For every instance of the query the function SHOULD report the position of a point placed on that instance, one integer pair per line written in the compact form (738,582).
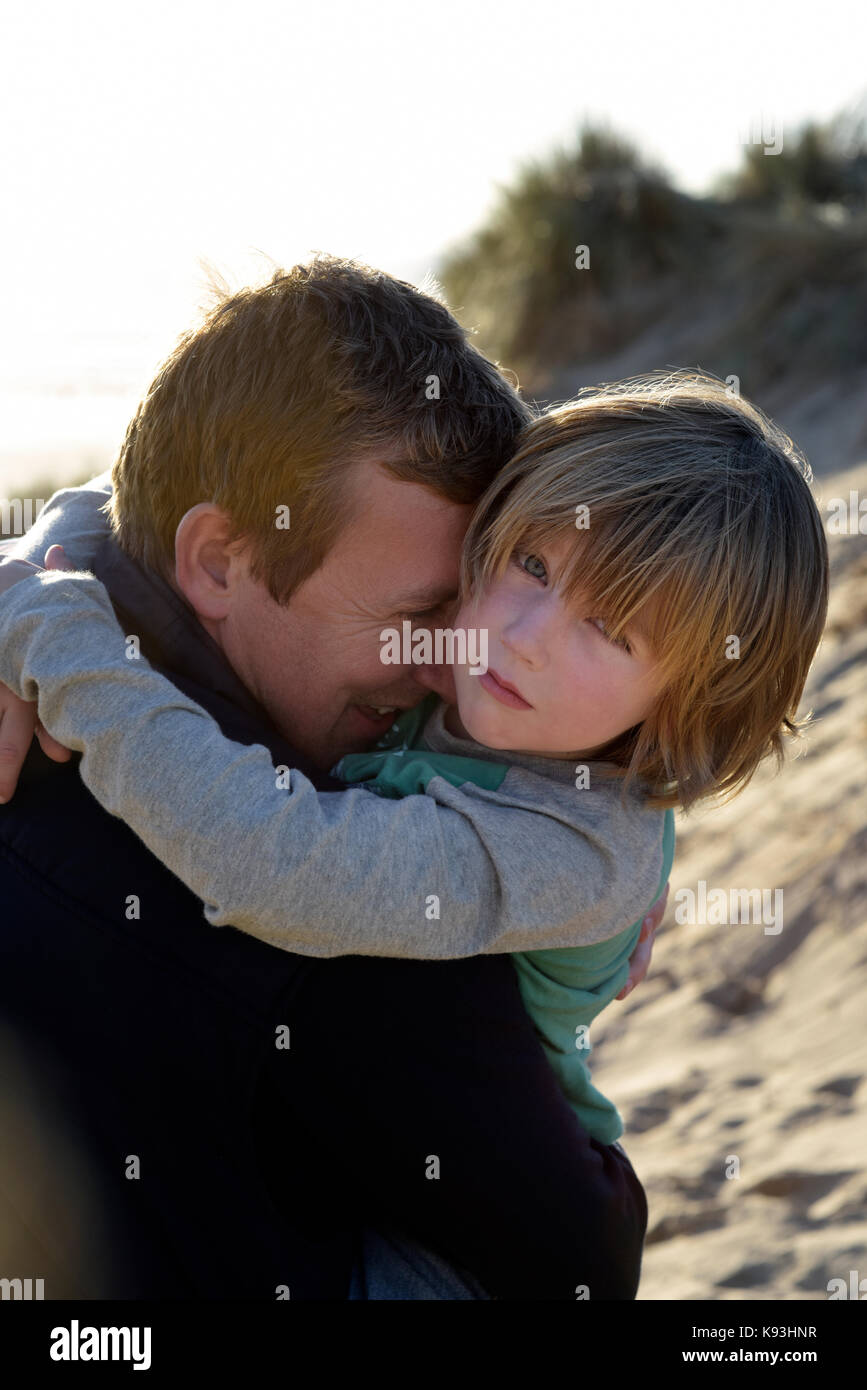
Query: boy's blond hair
(697,500)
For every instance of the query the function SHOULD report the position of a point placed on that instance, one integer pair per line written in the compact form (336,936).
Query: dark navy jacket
(154,1038)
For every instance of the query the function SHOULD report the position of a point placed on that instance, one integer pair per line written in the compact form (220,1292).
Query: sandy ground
(739,1064)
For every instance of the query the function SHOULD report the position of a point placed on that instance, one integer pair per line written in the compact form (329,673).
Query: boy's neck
(452,722)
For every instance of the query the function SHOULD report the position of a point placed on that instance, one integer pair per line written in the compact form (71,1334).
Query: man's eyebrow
(420,599)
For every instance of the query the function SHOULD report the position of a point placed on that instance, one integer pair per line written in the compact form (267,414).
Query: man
(254,1120)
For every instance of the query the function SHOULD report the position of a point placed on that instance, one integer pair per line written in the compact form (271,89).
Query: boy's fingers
(639,963)
(50,747)
(656,913)
(17,724)
(55,559)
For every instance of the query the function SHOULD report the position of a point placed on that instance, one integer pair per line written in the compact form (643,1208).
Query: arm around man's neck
(72,517)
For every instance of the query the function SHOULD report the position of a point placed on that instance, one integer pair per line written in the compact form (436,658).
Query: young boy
(651,573)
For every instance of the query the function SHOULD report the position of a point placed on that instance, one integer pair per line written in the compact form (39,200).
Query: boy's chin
(487,732)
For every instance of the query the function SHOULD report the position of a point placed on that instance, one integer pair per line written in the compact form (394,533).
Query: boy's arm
(432,876)
(73,518)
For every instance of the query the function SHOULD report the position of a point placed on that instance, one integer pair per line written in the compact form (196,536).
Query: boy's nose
(530,635)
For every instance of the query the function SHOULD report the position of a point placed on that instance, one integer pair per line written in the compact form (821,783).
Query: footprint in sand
(686,1223)
(845,1086)
(800,1117)
(750,1276)
(803,1188)
(657,1106)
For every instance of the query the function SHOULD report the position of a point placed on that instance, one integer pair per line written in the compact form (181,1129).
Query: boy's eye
(531,564)
(615,641)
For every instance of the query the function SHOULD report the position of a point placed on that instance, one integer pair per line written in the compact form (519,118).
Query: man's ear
(207,566)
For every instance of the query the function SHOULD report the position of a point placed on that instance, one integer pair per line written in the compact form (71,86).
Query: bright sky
(140,135)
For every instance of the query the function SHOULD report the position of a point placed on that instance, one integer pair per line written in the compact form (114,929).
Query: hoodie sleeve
(73,518)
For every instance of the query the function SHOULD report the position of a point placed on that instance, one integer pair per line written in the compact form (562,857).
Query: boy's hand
(639,961)
(19,720)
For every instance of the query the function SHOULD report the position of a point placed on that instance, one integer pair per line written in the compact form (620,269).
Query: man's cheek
(439,679)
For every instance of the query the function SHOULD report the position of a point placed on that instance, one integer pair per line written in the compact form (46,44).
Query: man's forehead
(411,583)
(402,541)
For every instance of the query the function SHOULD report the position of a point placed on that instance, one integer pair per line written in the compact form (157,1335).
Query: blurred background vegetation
(764,279)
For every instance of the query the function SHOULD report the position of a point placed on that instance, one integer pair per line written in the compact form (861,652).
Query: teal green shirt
(564,989)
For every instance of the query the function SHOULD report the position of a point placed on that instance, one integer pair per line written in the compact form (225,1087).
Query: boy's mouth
(503,690)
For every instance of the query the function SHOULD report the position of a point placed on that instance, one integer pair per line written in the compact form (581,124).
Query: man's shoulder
(85,868)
